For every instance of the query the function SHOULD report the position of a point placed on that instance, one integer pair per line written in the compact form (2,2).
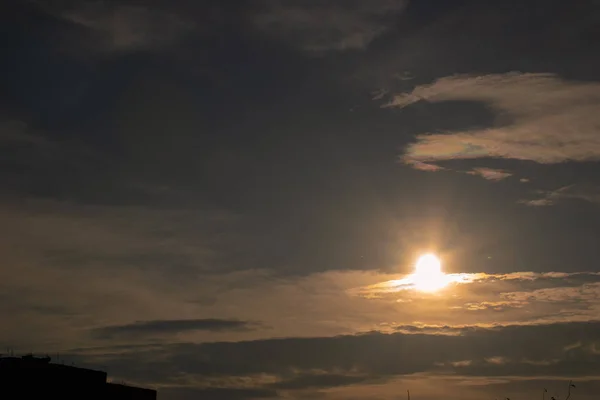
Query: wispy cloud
(127,26)
(106,294)
(490,174)
(547,119)
(585,192)
(422,166)
(333,25)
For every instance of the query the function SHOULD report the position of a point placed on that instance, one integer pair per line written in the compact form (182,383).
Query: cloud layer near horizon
(305,366)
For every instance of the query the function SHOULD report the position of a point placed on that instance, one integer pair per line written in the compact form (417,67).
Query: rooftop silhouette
(33,377)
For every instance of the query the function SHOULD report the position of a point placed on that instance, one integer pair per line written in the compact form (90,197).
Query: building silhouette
(34,378)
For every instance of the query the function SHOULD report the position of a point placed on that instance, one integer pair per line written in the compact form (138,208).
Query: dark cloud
(520,351)
(126,27)
(149,328)
(440,40)
(325,26)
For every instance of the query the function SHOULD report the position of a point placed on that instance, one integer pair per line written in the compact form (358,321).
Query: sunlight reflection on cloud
(409,283)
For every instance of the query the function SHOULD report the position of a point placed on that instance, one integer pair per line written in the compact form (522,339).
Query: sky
(226,199)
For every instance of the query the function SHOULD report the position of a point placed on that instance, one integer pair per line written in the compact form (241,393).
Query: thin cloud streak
(588,193)
(490,174)
(148,328)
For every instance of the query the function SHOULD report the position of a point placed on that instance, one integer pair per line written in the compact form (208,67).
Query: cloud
(111,265)
(537,202)
(120,27)
(18,132)
(490,174)
(296,364)
(147,328)
(522,298)
(585,192)
(496,360)
(421,166)
(129,267)
(494,305)
(317,342)
(407,283)
(324,26)
(588,293)
(379,94)
(31,159)
(543,119)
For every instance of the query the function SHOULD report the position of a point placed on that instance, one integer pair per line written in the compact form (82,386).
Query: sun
(428,275)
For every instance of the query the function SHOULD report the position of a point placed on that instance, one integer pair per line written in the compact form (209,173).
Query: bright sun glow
(428,275)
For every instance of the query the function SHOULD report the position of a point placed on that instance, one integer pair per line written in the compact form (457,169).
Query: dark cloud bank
(569,350)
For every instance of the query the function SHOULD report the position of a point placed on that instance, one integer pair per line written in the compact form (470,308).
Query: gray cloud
(297,364)
(144,328)
(122,26)
(543,119)
(585,192)
(334,25)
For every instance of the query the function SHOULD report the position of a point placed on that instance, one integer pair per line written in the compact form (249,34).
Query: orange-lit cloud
(422,166)
(490,173)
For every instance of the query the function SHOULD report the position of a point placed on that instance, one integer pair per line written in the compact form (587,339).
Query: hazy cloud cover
(318,26)
(228,199)
(122,26)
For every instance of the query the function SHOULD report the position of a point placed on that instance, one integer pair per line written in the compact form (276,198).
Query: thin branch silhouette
(571,385)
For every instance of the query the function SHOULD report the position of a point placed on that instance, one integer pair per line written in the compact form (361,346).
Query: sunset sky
(225,199)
